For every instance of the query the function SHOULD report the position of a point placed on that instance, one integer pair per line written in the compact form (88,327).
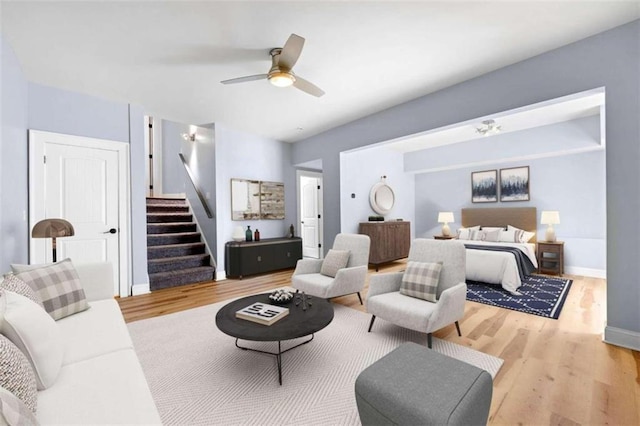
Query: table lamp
(52,228)
(550,218)
(445,218)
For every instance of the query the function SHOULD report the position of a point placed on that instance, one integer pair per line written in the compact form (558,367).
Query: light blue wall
(61,111)
(246,156)
(14,229)
(173,179)
(610,60)
(362,169)
(572,184)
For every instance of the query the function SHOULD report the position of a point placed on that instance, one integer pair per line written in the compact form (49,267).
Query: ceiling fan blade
(291,52)
(308,87)
(245,79)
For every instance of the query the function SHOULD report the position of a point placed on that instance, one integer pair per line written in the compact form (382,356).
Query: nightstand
(443,237)
(550,257)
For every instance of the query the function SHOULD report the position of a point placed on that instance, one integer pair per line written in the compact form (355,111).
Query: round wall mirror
(382,198)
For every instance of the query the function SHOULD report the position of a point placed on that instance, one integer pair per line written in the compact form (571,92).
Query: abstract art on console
(514,184)
(484,186)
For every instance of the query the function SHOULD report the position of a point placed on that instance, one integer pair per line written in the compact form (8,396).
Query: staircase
(176,255)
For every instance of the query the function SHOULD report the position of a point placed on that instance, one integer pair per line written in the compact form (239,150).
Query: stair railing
(203,200)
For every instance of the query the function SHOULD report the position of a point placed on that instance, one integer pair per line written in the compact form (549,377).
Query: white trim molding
(138,289)
(586,272)
(621,337)
(221,275)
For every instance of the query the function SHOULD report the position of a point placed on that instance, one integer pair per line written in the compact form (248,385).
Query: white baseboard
(220,275)
(586,272)
(138,289)
(621,337)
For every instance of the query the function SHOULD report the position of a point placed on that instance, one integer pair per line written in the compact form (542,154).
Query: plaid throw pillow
(58,287)
(16,285)
(420,280)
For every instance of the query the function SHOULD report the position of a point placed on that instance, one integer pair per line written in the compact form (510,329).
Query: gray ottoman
(414,385)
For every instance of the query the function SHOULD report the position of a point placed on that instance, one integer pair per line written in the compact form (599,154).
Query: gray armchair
(307,276)
(384,299)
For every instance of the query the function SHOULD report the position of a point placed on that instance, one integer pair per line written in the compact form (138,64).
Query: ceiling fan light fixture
(281,79)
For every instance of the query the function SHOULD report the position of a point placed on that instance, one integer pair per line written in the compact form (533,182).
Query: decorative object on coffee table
(281,297)
(302,298)
(262,313)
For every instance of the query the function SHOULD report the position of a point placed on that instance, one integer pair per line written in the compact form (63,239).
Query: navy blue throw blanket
(525,267)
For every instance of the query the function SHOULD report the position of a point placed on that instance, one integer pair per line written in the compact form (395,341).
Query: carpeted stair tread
(169,217)
(181,277)
(173,238)
(167,264)
(175,250)
(161,200)
(170,227)
(159,208)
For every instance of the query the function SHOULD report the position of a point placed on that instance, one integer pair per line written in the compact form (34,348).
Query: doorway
(310,213)
(85,181)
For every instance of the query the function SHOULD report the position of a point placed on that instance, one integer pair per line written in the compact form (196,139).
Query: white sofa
(101,380)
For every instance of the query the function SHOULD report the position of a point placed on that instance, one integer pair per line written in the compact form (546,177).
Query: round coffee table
(298,323)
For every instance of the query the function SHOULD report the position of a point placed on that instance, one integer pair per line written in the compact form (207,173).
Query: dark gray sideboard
(255,257)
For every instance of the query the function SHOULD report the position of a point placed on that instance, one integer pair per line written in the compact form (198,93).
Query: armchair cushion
(16,285)
(334,261)
(420,280)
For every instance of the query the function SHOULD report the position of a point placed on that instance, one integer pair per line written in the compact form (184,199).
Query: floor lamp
(52,228)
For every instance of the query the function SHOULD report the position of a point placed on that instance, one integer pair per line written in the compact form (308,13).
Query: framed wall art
(245,199)
(484,186)
(514,184)
(272,200)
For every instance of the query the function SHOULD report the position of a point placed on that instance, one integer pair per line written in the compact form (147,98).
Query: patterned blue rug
(543,296)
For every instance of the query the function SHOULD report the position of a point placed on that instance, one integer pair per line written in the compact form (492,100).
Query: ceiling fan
(281,72)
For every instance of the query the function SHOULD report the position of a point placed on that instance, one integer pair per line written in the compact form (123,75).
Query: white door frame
(318,175)
(37,140)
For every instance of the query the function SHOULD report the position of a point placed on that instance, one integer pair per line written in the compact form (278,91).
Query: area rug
(543,296)
(198,377)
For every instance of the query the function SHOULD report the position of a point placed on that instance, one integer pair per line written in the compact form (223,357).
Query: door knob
(110,231)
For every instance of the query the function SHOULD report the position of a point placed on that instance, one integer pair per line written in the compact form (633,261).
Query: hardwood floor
(556,372)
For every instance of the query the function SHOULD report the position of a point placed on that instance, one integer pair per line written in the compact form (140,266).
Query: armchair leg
(429,340)
(360,297)
(458,328)
(373,318)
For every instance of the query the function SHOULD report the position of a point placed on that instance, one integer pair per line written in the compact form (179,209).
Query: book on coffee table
(262,313)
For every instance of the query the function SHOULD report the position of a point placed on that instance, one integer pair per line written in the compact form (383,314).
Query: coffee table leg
(278,355)
(279,359)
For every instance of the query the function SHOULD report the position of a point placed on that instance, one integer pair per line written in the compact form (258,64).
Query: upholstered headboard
(520,217)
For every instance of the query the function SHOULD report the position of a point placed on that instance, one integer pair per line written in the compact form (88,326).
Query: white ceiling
(170,57)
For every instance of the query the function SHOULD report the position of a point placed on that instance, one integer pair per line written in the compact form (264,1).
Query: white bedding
(495,267)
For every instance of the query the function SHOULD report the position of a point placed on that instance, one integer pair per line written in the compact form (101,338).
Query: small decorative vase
(248,234)
(256,235)
(238,234)
(291,231)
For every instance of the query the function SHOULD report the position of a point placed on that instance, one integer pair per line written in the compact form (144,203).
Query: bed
(499,267)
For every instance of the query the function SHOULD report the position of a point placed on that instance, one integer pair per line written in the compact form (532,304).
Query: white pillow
(492,228)
(467,233)
(36,334)
(510,236)
(525,236)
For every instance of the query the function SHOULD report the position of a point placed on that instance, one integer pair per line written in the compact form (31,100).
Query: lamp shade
(551,217)
(445,217)
(52,228)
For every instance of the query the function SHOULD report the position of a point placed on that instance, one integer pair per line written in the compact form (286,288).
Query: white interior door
(310,215)
(79,179)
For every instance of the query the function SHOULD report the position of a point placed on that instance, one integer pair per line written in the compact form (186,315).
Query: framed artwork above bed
(484,186)
(514,184)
